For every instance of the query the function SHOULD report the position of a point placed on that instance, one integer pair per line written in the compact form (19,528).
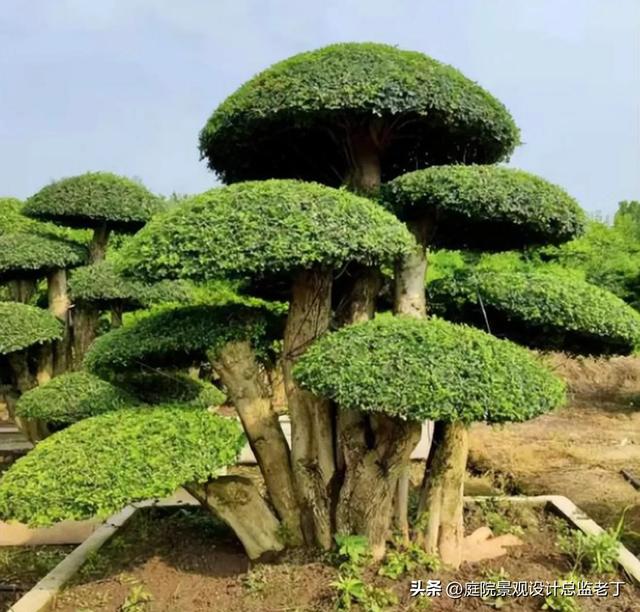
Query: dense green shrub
(93,199)
(288,116)
(486,207)
(161,387)
(102,286)
(177,336)
(428,369)
(71,397)
(24,255)
(540,310)
(22,326)
(258,228)
(101,464)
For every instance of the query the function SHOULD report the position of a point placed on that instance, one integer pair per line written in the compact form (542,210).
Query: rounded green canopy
(177,336)
(293,119)
(11,217)
(489,208)
(102,286)
(22,326)
(265,228)
(32,255)
(539,310)
(422,369)
(99,465)
(71,397)
(95,199)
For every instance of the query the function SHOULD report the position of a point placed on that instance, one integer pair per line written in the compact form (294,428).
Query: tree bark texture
(238,370)
(116,317)
(312,429)
(99,242)
(58,300)
(237,501)
(85,329)
(442,493)
(364,144)
(22,290)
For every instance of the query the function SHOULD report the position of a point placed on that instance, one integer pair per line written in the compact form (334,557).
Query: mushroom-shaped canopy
(101,285)
(428,369)
(490,208)
(265,228)
(22,326)
(101,464)
(178,336)
(31,255)
(95,199)
(540,310)
(161,387)
(71,397)
(292,119)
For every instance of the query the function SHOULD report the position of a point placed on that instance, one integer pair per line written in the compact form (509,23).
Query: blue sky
(125,85)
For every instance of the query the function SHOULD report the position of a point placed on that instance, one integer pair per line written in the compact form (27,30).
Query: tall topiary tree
(408,370)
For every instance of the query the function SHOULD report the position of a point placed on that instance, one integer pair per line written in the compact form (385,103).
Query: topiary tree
(540,310)
(409,370)
(100,201)
(97,466)
(26,333)
(71,397)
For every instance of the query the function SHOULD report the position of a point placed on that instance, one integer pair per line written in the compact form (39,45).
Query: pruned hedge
(22,326)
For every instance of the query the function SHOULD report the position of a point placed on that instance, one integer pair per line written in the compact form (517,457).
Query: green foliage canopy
(486,207)
(101,464)
(71,397)
(428,369)
(102,286)
(178,336)
(25,255)
(93,199)
(293,119)
(541,310)
(265,228)
(22,326)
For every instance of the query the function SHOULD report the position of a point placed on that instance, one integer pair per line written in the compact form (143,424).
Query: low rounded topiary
(94,199)
(103,287)
(177,336)
(429,369)
(539,310)
(301,110)
(71,397)
(24,255)
(486,207)
(265,228)
(99,465)
(22,326)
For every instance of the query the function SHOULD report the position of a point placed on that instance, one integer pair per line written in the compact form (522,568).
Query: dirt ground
(180,560)
(578,451)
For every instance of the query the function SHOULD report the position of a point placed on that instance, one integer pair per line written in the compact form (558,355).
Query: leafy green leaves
(22,326)
(293,119)
(95,198)
(99,465)
(539,309)
(264,228)
(486,207)
(428,369)
(71,397)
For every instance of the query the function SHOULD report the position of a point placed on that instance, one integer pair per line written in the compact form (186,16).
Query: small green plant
(497,520)
(254,581)
(352,549)
(560,602)
(136,600)
(407,558)
(596,553)
(496,601)
(353,590)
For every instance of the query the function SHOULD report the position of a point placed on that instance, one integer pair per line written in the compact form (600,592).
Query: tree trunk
(85,329)
(22,290)
(116,317)
(239,372)
(364,145)
(442,495)
(366,498)
(24,380)
(45,365)
(236,501)
(358,301)
(58,299)
(99,242)
(312,435)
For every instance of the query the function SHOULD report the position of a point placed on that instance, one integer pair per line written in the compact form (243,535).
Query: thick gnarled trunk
(58,300)
(99,242)
(239,372)
(442,494)
(85,329)
(312,418)
(237,501)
